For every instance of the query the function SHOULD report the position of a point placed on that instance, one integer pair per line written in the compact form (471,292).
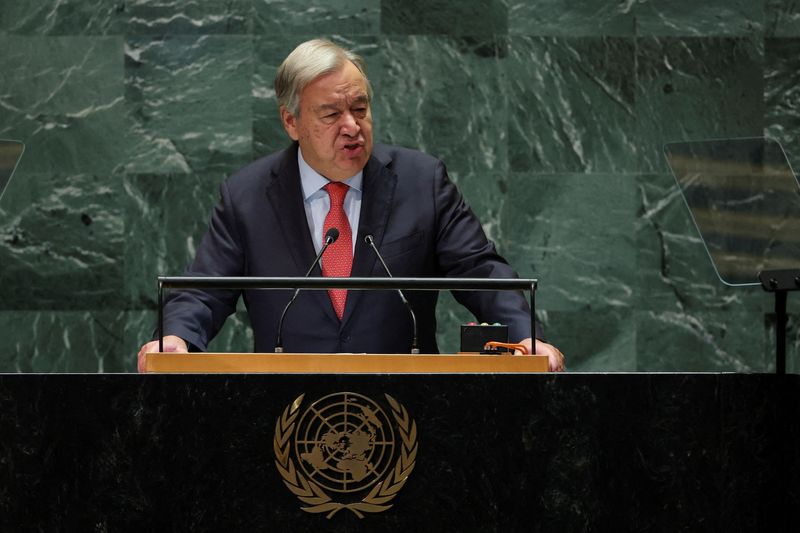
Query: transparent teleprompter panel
(744,200)
(10,153)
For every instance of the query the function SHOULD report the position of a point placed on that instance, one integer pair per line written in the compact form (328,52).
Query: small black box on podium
(475,336)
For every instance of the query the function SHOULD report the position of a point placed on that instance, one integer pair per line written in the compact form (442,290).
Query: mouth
(353,148)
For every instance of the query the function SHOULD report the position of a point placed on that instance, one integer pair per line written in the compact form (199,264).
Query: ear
(289,122)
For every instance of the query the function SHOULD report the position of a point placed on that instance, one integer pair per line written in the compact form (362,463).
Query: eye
(330,118)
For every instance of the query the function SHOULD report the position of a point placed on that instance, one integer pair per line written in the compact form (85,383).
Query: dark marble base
(591,452)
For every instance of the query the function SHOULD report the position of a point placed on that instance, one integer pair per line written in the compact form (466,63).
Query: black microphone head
(332,235)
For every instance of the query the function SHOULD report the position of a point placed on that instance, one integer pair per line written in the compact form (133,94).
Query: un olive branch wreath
(318,501)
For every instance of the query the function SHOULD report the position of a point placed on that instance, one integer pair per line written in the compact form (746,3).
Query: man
(273,216)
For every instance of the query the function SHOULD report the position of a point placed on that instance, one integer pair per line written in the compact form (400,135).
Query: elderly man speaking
(274,215)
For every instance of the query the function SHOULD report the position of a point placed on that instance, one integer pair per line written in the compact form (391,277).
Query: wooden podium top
(299,363)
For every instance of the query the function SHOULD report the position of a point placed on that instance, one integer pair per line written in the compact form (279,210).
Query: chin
(353,165)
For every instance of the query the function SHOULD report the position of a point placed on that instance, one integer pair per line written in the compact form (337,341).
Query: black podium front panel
(628,452)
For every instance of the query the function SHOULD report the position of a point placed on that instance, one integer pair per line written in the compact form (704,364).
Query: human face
(334,124)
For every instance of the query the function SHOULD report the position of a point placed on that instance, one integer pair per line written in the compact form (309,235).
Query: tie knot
(337,191)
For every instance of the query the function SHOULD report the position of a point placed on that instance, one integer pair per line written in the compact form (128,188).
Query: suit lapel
(285,193)
(376,204)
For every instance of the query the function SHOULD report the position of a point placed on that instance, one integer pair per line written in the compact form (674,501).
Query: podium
(308,363)
(492,452)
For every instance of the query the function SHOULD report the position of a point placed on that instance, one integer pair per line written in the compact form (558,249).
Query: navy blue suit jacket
(421,226)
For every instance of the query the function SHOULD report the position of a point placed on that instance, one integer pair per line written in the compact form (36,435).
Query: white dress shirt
(317,203)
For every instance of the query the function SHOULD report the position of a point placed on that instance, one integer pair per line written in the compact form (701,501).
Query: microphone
(330,238)
(371,241)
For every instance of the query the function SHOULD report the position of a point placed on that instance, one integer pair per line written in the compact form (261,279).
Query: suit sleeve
(197,315)
(464,251)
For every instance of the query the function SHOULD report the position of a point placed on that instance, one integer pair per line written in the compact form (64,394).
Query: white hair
(307,62)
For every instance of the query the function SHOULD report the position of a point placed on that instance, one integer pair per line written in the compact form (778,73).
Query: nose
(350,126)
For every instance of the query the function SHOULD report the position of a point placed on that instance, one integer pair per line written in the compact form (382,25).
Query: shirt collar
(312,181)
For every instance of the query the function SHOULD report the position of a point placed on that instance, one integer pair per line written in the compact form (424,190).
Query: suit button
(345,338)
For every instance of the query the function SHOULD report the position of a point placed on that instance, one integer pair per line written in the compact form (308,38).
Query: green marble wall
(549,113)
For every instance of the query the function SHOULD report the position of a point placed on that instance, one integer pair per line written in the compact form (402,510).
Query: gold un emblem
(341,453)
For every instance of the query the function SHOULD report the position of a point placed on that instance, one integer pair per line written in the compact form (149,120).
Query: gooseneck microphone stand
(370,240)
(330,238)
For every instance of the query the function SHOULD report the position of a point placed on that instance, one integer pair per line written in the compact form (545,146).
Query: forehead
(345,84)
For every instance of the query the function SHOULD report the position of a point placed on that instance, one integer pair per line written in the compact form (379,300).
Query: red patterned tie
(338,260)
